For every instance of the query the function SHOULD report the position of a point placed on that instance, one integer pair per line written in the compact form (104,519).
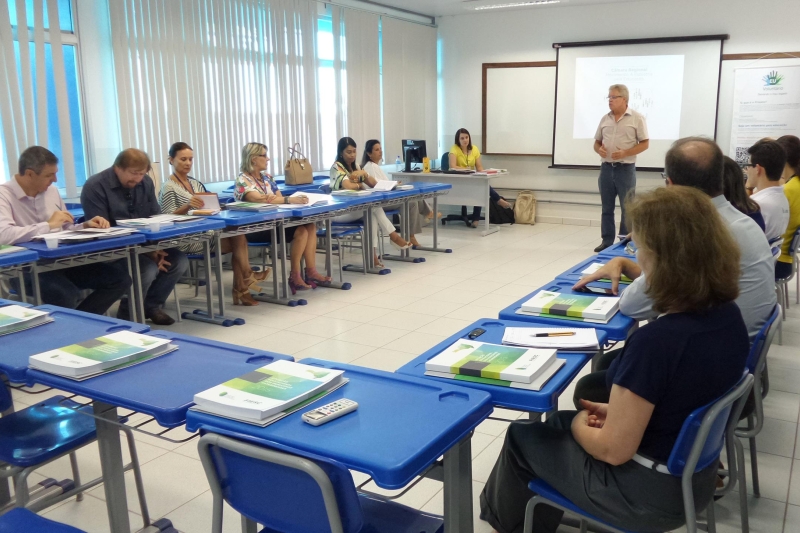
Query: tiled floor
(384,321)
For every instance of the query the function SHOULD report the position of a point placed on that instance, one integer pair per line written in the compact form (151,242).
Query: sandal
(296,283)
(243,297)
(315,278)
(378,262)
(251,281)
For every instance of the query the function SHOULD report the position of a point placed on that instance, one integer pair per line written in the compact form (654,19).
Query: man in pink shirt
(30,205)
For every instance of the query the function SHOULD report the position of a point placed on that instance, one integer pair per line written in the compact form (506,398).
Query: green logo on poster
(772,79)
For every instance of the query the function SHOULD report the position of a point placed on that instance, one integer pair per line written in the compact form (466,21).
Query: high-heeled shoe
(243,297)
(251,281)
(296,283)
(314,278)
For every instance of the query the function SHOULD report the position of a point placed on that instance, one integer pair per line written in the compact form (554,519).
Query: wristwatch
(286,199)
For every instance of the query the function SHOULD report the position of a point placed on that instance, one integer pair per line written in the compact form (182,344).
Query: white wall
(469,40)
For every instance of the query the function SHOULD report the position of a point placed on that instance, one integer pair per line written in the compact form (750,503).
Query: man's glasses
(666,178)
(612,97)
(745,165)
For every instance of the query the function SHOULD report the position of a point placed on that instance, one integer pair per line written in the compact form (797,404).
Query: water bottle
(398,164)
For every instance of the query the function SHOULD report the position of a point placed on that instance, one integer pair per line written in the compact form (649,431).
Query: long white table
(468,189)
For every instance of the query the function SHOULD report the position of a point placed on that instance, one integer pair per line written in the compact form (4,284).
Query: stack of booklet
(249,206)
(269,393)
(103,354)
(314,199)
(352,192)
(15,318)
(597,309)
(8,249)
(562,339)
(85,234)
(493,364)
(162,220)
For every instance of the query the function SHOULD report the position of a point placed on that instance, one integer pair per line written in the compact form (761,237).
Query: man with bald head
(698,162)
(126,191)
(692,162)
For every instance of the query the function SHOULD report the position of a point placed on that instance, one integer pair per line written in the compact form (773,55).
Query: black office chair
(445,166)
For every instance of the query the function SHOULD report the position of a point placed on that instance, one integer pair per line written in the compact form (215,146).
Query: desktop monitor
(413,152)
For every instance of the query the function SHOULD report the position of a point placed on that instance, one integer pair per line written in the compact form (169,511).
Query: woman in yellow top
(465,156)
(791,174)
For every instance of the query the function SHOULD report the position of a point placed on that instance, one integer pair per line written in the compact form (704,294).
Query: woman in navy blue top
(691,355)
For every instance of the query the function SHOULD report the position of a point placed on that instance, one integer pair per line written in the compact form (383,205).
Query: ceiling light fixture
(519,4)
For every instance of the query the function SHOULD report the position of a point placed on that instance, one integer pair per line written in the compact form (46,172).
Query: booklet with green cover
(493,361)
(535,385)
(576,306)
(9,249)
(15,318)
(96,355)
(249,206)
(267,390)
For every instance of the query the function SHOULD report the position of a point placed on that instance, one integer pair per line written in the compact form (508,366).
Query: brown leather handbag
(297,170)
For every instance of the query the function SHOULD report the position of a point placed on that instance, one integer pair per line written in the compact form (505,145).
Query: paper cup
(155,226)
(51,242)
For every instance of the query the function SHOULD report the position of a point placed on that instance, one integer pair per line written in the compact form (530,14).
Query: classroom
(424,266)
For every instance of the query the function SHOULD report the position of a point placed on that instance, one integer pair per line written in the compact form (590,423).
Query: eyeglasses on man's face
(612,97)
(666,178)
(744,166)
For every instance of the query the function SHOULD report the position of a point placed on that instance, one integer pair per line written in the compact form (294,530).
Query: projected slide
(656,90)
(673,84)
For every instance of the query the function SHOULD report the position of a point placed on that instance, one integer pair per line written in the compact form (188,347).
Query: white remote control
(332,411)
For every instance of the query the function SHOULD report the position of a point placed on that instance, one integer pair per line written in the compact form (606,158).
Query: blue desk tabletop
(402,424)
(181,229)
(539,401)
(616,329)
(18,258)
(68,327)
(98,245)
(165,387)
(233,219)
(574,273)
(619,250)
(338,203)
(419,188)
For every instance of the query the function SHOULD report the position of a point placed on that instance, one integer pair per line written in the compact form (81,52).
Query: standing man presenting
(621,136)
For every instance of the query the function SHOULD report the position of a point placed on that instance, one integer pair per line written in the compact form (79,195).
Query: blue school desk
(401,427)
(617,328)
(163,388)
(542,401)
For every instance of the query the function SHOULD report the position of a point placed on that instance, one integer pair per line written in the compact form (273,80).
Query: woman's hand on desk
(298,199)
(196,202)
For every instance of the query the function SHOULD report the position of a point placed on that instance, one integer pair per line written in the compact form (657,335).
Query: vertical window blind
(218,75)
(39,87)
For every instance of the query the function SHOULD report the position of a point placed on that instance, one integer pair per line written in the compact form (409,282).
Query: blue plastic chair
(782,284)
(292,493)
(339,232)
(757,366)
(703,435)
(22,520)
(45,432)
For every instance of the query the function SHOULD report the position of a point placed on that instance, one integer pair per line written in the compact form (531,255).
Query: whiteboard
(519,110)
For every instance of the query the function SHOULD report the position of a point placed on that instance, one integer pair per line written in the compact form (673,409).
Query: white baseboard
(569,221)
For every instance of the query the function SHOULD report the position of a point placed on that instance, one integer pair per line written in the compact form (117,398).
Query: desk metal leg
(208,316)
(487,230)
(136,302)
(369,265)
(435,247)
(23,296)
(37,292)
(458,487)
(108,443)
(341,285)
(405,231)
(277,297)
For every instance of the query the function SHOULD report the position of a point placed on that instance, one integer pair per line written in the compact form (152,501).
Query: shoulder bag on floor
(525,208)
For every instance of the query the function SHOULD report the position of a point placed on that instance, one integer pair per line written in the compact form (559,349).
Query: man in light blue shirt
(698,162)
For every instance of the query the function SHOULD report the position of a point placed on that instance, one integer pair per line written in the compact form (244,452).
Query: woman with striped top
(178,196)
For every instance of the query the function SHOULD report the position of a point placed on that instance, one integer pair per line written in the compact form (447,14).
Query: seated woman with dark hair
(346,174)
(733,188)
(465,156)
(254,184)
(791,177)
(178,196)
(601,457)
